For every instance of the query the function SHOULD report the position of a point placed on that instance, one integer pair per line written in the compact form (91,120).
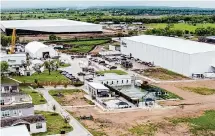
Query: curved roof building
(39,50)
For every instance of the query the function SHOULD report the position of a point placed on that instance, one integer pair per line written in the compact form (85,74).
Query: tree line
(168,19)
(167,31)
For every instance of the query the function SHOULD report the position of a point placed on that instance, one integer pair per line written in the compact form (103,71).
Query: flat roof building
(182,56)
(15,131)
(48,26)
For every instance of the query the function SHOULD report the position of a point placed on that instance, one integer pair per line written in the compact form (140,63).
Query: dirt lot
(113,124)
(163,74)
(75,99)
(65,36)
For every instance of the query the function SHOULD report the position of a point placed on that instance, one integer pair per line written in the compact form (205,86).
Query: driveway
(78,129)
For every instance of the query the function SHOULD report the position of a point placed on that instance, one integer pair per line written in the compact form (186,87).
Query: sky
(5,4)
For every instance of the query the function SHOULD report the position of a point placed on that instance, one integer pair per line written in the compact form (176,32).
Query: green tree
(52,37)
(5,40)
(4,66)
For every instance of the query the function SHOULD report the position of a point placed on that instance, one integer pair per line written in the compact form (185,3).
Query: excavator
(13,42)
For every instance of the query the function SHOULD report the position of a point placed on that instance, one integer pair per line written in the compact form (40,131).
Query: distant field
(180,26)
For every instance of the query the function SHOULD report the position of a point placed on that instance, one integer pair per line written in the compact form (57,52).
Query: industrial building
(14,59)
(48,26)
(182,56)
(39,50)
(113,79)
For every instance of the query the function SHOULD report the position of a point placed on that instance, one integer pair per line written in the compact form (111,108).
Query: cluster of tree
(53,37)
(5,40)
(205,31)
(167,31)
(172,32)
(140,10)
(4,66)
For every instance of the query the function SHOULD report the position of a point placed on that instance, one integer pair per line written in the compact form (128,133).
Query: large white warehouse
(182,56)
(39,50)
(47,26)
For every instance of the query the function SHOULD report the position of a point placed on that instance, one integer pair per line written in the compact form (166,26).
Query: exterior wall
(14,60)
(39,53)
(18,99)
(116,82)
(94,92)
(3,90)
(168,59)
(33,128)
(202,62)
(18,112)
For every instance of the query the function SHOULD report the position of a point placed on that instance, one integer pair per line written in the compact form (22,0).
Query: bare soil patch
(163,74)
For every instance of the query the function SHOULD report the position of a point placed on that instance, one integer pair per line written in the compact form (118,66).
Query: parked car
(113,67)
(81,74)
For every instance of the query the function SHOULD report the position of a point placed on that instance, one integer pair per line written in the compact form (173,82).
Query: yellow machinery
(13,41)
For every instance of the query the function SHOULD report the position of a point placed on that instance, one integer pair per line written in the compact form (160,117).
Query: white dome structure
(39,50)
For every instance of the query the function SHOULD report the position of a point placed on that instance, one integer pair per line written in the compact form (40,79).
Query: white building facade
(14,59)
(97,89)
(112,79)
(178,55)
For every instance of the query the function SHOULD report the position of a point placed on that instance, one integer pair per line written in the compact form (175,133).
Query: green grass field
(200,90)
(180,26)
(43,77)
(37,98)
(55,123)
(5,80)
(118,72)
(203,125)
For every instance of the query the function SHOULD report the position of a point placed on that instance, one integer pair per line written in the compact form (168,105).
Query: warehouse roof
(42,22)
(171,43)
(97,86)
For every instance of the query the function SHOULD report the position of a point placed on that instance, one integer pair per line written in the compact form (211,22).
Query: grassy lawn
(85,46)
(43,77)
(180,26)
(200,90)
(200,126)
(163,74)
(55,123)
(65,65)
(37,98)
(5,80)
(146,129)
(118,72)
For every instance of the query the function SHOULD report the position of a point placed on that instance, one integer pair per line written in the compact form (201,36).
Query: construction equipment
(13,41)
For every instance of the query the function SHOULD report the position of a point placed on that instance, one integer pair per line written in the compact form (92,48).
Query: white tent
(39,50)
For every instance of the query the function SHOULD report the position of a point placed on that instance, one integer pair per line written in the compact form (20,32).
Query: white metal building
(39,50)
(48,26)
(97,89)
(182,56)
(14,59)
(113,79)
